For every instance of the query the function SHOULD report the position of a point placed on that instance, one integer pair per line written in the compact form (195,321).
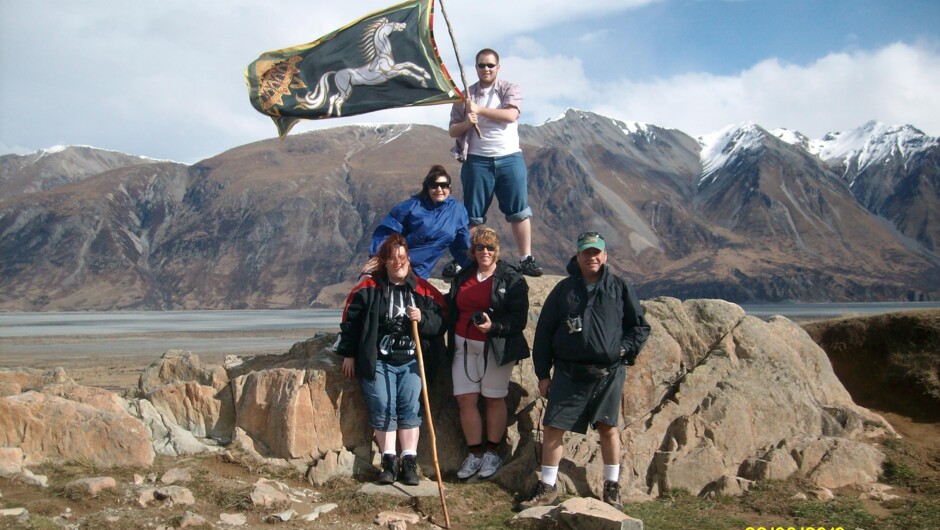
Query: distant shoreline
(114,355)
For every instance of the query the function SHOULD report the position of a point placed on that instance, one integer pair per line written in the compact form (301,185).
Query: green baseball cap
(591,240)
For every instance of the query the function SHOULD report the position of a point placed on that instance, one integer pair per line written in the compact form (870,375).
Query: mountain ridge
(277,224)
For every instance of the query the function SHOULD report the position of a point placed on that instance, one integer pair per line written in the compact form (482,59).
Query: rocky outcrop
(194,397)
(51,427)
(717,400)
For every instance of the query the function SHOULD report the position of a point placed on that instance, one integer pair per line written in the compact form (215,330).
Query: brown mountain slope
(278,224)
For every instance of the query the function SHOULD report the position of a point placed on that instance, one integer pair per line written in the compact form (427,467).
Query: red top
(473,296)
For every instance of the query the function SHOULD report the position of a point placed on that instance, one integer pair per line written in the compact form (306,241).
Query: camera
(478,318)
(392,326)
(574,324)
(395,336)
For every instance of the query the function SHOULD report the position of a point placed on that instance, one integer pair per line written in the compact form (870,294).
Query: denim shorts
(394,397)
(503,176)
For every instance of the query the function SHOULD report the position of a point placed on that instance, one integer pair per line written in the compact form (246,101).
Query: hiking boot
(450,270)
(489,465)
(612,494)
(529,267)
(409,471)
(470,466)
(545,495)
(389,469)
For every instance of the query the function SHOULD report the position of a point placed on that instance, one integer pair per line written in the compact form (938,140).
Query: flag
(384,60)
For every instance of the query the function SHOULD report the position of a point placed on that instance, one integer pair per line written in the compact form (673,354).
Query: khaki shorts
(471,378)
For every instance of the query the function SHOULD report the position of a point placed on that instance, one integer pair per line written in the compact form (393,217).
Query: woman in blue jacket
(431,222)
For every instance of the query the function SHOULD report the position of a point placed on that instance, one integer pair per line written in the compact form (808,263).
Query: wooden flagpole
(427,413)
(463,76)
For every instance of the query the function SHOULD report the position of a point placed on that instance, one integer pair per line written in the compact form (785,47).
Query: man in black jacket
(591,327)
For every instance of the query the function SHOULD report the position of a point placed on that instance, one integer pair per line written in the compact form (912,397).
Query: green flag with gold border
(384,60)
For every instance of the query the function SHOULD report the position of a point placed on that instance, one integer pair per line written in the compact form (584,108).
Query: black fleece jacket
(612,321)
(509,312)
(359,330)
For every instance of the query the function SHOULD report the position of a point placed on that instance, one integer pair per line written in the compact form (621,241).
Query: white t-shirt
(499,138)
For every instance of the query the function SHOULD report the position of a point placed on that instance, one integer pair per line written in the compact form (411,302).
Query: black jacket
(509,311)
(612,321)
(359,330)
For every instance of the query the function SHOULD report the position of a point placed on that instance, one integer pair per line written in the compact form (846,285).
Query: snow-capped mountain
(720,147)
(871,144)
(49,168)
(742,214)
(893,172)
(890,170)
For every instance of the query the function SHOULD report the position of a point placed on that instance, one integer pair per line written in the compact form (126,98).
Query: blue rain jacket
(429,229)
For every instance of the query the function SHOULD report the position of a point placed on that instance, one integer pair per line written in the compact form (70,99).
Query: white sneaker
(470,466)
(489,465)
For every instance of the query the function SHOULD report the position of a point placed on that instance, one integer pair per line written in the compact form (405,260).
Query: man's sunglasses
(590,234)
(481,248)
(481,66)
(441,185)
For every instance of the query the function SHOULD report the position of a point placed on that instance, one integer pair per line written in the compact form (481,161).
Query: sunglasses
(590,234)
(481,248)
(441,185)
(482,66)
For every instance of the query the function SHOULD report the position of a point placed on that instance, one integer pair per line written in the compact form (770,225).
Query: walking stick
(463,77)
(427,413)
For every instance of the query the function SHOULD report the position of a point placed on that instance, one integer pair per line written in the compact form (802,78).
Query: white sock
(408,452)
(549,475)
(392,452)
(612,473)
(523,258)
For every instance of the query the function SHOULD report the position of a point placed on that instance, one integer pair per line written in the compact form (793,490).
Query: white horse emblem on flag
(377,47)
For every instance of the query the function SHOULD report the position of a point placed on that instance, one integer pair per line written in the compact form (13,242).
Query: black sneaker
(612,494)
(389,472)
(450,270)
(409,471)
(545,495)
(529,267)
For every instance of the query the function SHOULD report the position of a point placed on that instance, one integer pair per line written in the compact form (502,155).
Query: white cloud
(593,36)
(165,79)
(527,47)
(895,85)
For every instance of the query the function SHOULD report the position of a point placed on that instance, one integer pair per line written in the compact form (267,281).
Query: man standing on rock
(492,162)
(591,327)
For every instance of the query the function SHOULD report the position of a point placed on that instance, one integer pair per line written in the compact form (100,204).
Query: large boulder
(16,381)
(715,391)
(189,395)
(48,427)
(299,405)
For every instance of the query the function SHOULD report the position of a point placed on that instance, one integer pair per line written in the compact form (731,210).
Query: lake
(110,348)
(264,322)
(118,322)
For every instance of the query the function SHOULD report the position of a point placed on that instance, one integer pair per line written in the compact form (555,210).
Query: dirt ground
(222,484)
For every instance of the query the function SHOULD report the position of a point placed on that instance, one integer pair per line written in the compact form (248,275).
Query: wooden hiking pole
(427,413)
(463,77)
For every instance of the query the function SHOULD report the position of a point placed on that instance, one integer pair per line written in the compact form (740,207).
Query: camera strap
(466,367)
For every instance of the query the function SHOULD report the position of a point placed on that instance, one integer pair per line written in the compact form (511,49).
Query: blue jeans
(504,176)
(393,398)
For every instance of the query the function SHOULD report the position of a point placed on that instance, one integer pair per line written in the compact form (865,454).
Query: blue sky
(165,79)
